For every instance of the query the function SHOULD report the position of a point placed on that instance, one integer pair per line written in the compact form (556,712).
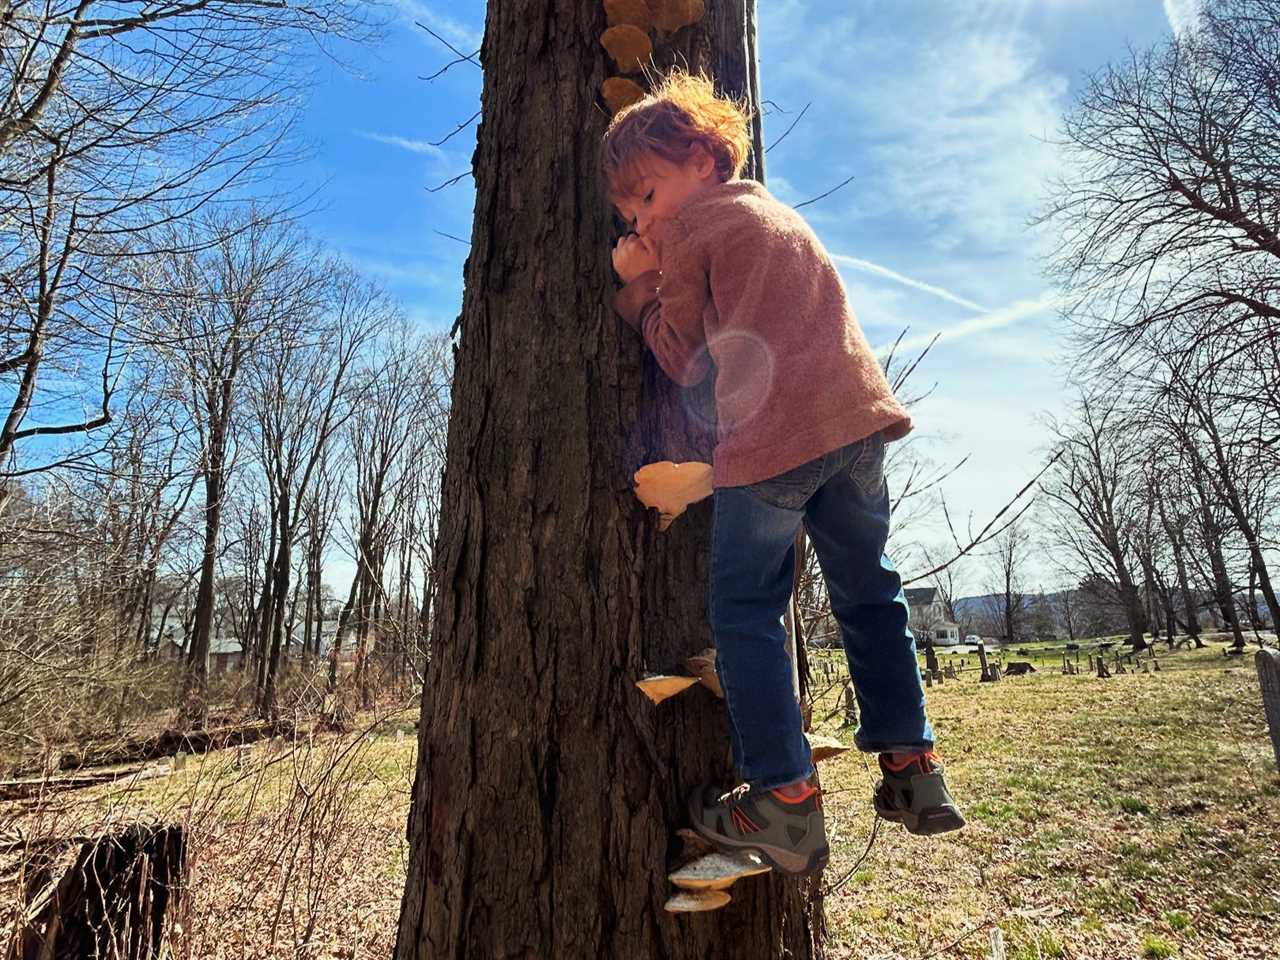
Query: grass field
(1134,817)
(1130,817)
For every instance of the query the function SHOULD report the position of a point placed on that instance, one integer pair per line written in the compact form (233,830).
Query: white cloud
(455,31)
(991,320)
(402,272)
(413,146)
(948,117)
(1183,15)
(874,268)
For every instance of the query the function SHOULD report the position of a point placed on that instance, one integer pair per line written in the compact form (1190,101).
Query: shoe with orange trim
(788,832)
(914,794)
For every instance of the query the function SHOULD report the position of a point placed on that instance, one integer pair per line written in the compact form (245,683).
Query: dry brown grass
(1124,818)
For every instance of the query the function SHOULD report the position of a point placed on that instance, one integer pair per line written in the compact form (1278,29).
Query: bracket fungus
(635,13)
(670,15)
(629,46)
(620,93)
(659,687)
(670,487)
(697,901)
(718,871)
(824,748)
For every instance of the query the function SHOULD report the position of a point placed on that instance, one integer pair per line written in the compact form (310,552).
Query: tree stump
(105,897)
(1268,663)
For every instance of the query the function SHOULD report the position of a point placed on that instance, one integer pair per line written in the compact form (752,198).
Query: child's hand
(633,256)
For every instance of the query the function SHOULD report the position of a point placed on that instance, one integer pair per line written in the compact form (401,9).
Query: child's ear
(703,161)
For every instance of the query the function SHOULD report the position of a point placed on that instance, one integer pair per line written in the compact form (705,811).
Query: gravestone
(1019,668)
(930,659)
(1268,662)
(850,705)
(986,668)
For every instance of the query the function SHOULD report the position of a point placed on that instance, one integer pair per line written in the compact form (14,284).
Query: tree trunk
(548,789)
(196,685)
(1223,594)
(1178,543)
(273,617)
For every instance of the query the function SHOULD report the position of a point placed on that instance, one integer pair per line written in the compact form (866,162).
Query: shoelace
(734,796)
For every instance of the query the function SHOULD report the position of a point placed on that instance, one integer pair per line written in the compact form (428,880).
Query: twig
(981,537)
(462,56)
(790,128)
(462,126)
(823,196)
(443,70)
(449,183)
(452,237)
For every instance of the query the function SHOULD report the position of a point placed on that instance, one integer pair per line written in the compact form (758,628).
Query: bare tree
(225,284)
(302,392)
(1007,594)
(1093,506)
(117,118)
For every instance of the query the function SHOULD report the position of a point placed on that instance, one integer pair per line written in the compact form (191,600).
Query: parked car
(973,638)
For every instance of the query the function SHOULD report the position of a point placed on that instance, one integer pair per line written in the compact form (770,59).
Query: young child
(719,272)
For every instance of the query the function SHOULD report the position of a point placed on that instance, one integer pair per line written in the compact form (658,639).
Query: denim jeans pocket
(790,490)
(867,469)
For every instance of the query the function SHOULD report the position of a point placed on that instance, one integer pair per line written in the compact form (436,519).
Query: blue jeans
(843,502)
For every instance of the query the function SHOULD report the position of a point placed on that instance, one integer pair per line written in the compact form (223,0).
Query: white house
(929,617)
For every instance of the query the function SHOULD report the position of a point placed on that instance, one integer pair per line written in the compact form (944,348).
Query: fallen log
(36,786)
(167,744)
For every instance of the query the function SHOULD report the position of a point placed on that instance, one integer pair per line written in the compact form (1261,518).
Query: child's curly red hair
(682,111)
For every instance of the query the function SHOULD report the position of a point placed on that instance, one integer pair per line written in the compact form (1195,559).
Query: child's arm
(666,309)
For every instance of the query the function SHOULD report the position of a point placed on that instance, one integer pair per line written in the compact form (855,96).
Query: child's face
(662,188)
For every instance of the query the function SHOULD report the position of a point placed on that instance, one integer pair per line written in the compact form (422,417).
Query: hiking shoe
(916,796)
(789,834)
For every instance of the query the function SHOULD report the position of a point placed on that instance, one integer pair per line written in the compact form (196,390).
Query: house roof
(220,645)
(921,596)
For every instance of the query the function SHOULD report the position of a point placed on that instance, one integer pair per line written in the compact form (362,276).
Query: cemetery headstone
(1268,663)
(986,668)
(996,939)
(850,706)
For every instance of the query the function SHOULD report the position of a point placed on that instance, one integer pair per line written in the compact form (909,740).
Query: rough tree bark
(548,789)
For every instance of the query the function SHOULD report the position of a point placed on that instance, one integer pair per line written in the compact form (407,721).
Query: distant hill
(967,607)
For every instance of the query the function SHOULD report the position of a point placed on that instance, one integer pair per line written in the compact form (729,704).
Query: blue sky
(944,113)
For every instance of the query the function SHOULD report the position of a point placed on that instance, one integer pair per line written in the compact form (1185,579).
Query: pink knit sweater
(747,285)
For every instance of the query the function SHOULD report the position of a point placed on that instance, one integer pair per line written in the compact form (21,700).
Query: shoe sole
(780,858)
(939,820)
